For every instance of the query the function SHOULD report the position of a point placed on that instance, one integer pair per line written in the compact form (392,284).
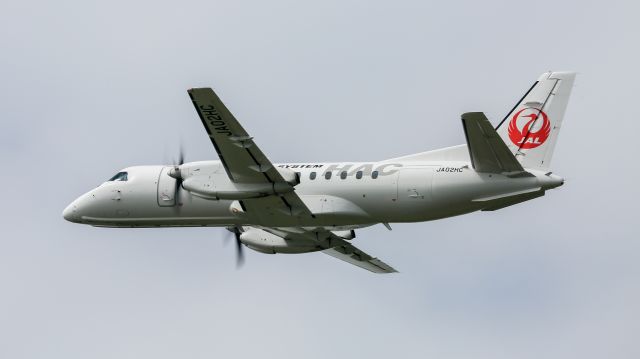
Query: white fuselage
(352,197)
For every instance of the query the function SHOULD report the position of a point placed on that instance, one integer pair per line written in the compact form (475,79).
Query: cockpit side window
(120,176)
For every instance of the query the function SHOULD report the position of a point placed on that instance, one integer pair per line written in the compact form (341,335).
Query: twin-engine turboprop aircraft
(307,207)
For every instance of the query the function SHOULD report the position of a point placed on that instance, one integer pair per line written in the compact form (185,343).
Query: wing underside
(353,255)
(240,156)
(334,246)
(242,159)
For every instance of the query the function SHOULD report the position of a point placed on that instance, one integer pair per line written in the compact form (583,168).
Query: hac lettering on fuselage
(351,169)
(307,207)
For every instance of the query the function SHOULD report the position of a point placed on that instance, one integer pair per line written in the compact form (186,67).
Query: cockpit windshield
(120,176)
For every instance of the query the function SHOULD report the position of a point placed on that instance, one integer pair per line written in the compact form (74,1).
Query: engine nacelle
(220,187)
(265,242)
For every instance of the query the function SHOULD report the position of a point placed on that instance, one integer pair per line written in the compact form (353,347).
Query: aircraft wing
(240,156)
(334,246)
(487,150)
(353,255)
(243,161)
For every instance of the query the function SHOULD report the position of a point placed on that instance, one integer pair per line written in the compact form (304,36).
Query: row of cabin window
(343,175)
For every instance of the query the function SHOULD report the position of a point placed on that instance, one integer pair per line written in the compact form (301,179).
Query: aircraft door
(166,188)
(415,185)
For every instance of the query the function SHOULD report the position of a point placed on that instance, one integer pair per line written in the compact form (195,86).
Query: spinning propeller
(239,252)
(176,173)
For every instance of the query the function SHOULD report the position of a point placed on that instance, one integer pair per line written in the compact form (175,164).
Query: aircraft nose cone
(71,213)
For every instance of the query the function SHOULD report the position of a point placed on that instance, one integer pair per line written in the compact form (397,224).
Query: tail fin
(531,129)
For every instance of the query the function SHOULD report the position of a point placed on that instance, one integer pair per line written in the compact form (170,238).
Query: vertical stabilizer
(531,129)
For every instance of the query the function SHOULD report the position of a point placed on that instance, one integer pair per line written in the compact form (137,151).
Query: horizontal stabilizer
(487,150)
(503,202)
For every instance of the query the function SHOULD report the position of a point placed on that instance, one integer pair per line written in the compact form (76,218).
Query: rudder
(531,129)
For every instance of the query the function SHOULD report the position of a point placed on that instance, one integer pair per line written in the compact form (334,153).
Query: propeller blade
(177,195)
(181,156)
(239,252)
(179,176)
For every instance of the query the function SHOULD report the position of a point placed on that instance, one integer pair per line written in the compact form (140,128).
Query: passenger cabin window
(374,174)
(343,175)
(312,175)
(120,176)
(359,174)
(327,175)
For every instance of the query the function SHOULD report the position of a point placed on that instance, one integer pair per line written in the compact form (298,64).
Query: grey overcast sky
(87,88)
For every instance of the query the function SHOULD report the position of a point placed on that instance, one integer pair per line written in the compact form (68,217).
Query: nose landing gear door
(166,189)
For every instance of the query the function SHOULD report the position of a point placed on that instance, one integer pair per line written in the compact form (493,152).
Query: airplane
(308,207)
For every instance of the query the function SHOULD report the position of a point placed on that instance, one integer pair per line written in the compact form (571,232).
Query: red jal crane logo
(534,132)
